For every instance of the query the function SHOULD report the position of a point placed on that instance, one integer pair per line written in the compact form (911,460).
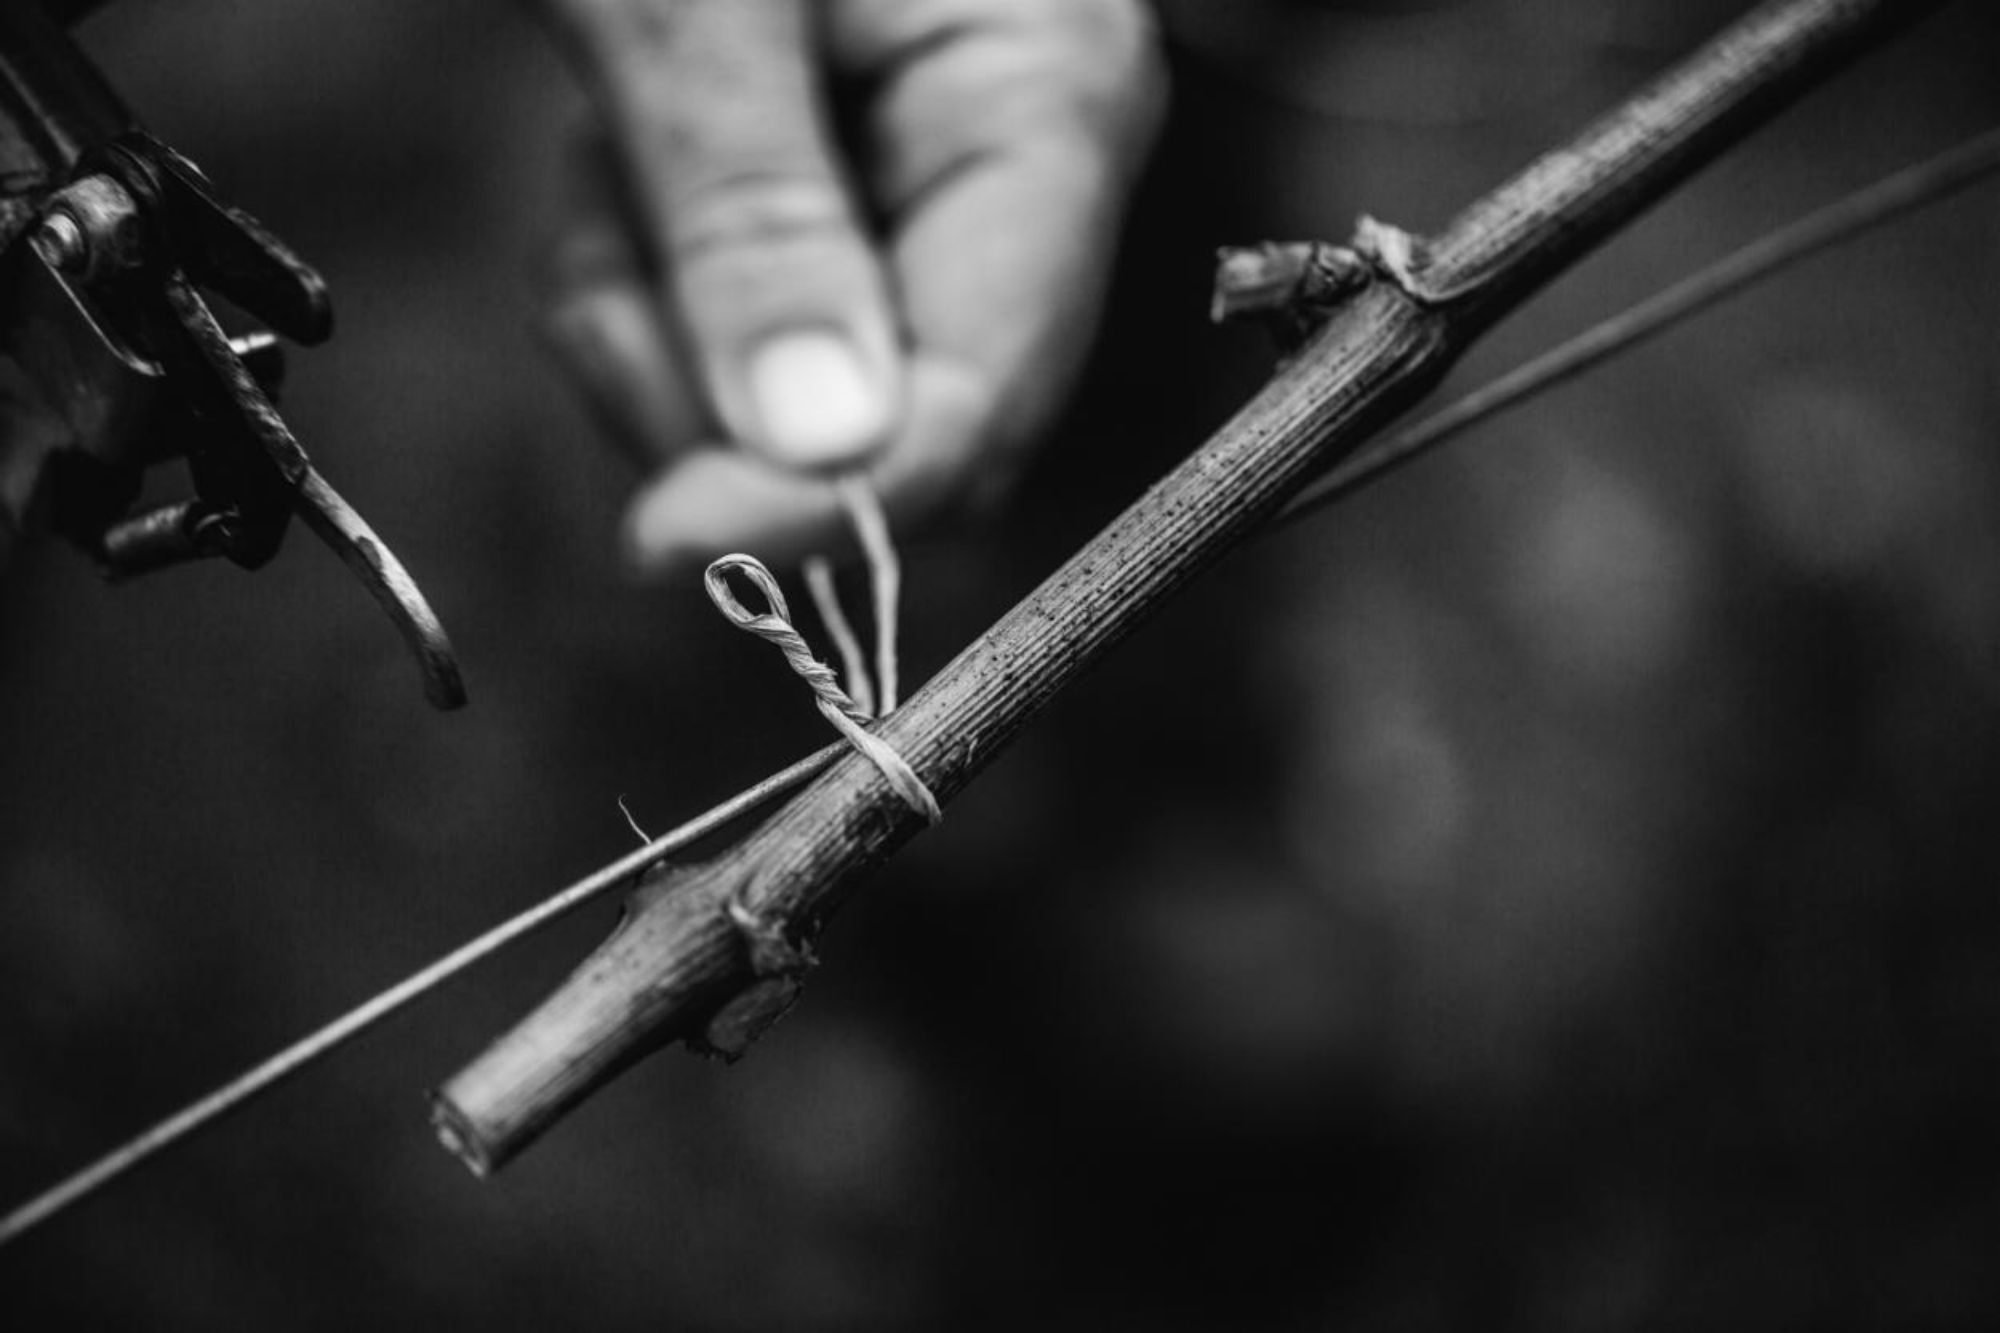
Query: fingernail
(816,403)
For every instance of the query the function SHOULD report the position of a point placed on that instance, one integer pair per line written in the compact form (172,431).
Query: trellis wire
(1907,190)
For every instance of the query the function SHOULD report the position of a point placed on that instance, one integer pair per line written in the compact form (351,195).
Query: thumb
(781,296)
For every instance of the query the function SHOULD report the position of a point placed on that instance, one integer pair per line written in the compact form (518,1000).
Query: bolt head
(61,243)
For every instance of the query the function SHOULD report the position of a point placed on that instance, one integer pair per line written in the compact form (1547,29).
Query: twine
(826,600)
(835,704)
(885,575)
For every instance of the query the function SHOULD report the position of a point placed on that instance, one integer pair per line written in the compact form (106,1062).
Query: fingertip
(714,500)
(647,548)
(659,537)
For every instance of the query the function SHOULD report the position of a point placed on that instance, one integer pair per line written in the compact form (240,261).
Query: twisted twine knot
(775,626)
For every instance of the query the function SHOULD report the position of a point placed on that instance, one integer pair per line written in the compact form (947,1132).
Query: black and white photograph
(752,666)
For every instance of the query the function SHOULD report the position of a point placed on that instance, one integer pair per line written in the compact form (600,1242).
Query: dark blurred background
(1555,890)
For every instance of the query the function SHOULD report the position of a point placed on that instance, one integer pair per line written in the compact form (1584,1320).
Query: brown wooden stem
(710,953)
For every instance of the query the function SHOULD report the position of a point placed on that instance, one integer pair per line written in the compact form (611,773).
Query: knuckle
(1136,70)
(1102,60)
(753,208)
(1120,29)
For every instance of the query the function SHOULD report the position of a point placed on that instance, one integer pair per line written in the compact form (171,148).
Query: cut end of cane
(456,1133)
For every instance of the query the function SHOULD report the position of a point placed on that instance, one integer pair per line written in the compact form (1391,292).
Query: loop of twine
(775,627)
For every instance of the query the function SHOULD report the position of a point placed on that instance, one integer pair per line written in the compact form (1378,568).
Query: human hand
(753,301)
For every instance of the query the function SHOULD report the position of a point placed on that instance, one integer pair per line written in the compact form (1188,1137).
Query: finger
(715,500)
(783,302)
(603,324)
(1008,137)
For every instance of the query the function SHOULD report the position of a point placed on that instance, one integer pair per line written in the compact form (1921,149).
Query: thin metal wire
(234,1094)
(1907,190)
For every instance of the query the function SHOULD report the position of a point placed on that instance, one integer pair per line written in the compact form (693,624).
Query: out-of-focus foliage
(1556,890)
